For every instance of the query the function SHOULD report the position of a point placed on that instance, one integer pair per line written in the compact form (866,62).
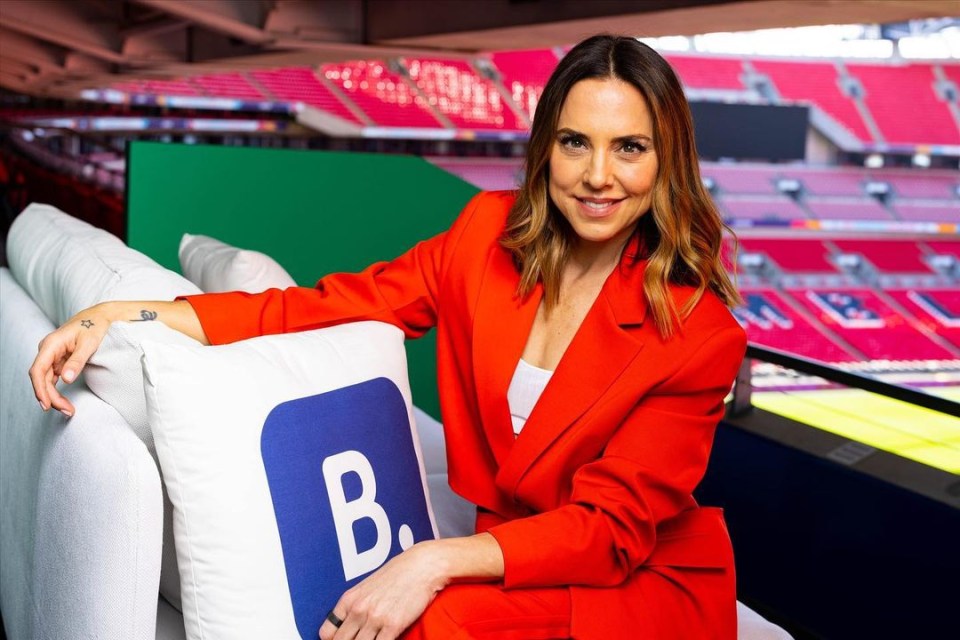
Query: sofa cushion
(67,265)
(293,470)
(215,266)
(80,503)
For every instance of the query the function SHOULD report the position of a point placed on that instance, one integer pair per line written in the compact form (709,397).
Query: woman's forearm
(177,315)
(475,558)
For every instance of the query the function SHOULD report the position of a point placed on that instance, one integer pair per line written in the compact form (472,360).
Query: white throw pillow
(215,266)
(293,469)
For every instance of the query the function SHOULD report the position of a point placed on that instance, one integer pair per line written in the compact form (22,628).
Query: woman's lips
(598,207)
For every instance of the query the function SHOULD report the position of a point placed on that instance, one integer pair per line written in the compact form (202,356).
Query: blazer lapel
(600,351)
(501,327)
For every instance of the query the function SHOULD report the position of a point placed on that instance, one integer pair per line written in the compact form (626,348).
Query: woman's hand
(393,597)
(65,352)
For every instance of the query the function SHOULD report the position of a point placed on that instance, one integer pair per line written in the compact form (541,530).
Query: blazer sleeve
(401,292)
(645,476)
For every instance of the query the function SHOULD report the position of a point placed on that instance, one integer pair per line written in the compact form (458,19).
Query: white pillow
(214,267)
(293,470)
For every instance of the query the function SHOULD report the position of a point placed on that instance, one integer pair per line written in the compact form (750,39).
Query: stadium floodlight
(873,161)
(921,160)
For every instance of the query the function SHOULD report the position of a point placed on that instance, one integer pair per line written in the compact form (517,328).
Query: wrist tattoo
(86,324)
(146,316)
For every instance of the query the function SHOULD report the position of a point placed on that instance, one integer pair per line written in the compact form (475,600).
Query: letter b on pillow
(343,474)
(293,470)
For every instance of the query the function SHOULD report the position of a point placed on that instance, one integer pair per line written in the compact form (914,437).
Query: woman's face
(603,165)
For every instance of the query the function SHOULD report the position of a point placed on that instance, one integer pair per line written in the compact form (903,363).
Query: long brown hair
(681,235)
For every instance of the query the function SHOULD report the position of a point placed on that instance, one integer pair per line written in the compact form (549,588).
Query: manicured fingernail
(42,408)
(69,375)
(66,413)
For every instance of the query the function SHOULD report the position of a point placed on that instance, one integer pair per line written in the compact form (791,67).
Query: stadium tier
(928,211)
(229,85)
(461,95)
(523,74)
(300,84)
(937,309)
(819,83)
(493,174)
(834,181)
(939,185)
(869,324)
(386,98)
(742,178)
(944,247)
(796,255)
(708,73)
(896,95)
(891,256)
(772,321)
(760,207)
(839,208)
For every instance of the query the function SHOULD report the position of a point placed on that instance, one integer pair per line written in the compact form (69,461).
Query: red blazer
(595,493)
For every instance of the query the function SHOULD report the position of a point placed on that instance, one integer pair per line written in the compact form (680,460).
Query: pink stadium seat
(867,323)
(836,208)
(836,181)
(707,72)
(937,309)
(459,93)
(771,321)
(381,94)
(890,256)
(815,82)
(793,255)
(492,174)
(944,247)
(928,211)
(300,84)
(172,88)
(229,85)
(896,95)
(524,75)
(742,178)
(908,183)
(760,207)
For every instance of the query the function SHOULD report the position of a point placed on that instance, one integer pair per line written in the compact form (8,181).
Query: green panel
(314,212)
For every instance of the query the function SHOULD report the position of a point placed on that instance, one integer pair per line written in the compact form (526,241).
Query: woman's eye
(572,142)
(633,147)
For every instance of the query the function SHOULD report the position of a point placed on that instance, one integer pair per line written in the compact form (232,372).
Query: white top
(525,389)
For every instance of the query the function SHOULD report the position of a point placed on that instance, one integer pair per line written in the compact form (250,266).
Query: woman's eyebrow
(620,139)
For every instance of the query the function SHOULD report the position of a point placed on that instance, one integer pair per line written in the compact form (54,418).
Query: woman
(584,350)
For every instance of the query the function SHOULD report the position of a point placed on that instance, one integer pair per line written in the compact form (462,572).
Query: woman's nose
(597,173)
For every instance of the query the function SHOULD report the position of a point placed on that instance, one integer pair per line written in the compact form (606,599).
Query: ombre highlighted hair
(681,235)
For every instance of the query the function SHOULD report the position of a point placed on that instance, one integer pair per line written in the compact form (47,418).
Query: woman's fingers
(334,622)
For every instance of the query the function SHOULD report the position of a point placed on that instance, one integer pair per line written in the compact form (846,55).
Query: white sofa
(83,517)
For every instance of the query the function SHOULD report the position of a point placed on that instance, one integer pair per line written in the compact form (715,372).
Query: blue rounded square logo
(346,489)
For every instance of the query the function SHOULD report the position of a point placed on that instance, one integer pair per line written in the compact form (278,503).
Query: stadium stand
(742,178)
(892,256)
(817,83)
(300,84)
(838,208)
(772,321)
(884,89)
(860,317)
(936,309)
(524,73)
(708,72)
(460,94)
(928,211)
(760,207)
(835,181)
(492,174)
(386,98)
(229,85)
(798,255)
(932,184)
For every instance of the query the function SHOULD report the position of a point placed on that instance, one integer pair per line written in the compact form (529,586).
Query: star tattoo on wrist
(86,324)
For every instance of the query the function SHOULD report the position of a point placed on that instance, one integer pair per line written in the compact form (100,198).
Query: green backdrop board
(314,212)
